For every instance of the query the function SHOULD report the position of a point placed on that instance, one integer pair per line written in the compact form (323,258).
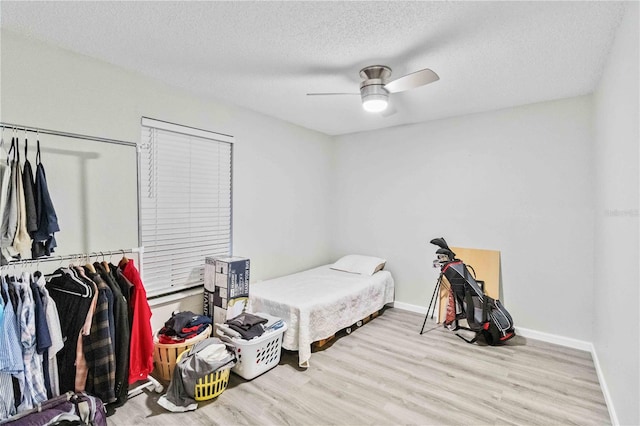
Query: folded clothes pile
(247,325)
(182,326)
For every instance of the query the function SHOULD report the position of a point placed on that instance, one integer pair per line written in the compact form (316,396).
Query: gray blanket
(191,367)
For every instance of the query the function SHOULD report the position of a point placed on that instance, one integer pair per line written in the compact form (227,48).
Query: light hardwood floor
(386,373)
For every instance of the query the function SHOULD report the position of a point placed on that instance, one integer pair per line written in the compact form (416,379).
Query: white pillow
(358,264)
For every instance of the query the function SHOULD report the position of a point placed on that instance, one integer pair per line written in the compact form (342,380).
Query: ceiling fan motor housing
(372,89)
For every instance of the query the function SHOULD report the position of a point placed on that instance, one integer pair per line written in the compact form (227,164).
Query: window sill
(163,300)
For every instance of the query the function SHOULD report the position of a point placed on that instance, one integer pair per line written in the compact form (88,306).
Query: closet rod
(74,256)
(66,134)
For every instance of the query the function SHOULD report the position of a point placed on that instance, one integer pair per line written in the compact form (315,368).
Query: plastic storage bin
(165,355)
(256,356)
(211,385)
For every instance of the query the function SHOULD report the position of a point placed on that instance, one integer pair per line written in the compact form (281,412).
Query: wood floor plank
(386,373)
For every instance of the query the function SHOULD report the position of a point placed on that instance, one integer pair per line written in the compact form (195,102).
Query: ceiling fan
(376,87)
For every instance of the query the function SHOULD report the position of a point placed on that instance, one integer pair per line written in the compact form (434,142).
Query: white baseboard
(605,388)
(549,338)
(411,308)
(556,339)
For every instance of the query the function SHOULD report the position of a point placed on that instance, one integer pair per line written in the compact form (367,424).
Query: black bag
(485,316)
(500,324)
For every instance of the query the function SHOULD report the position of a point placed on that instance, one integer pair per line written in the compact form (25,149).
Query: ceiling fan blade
(411,81)
(331,94)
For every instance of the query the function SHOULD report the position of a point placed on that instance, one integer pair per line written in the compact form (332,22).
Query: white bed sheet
(319,302)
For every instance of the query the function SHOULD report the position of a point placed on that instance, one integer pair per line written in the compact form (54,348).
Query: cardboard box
(231,276)
(217,308)
(208,303)
(209,273)
(226,287)
(219,316)
(236,307)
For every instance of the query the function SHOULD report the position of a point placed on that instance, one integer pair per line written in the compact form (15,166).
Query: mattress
(319,302)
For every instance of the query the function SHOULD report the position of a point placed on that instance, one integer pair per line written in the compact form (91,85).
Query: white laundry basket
(258,355)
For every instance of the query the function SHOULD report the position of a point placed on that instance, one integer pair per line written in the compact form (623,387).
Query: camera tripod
(433,298)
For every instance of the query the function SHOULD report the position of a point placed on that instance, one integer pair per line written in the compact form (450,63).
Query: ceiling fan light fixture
(375,105)
(375,98)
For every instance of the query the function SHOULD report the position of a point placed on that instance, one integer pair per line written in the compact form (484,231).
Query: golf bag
(485,316)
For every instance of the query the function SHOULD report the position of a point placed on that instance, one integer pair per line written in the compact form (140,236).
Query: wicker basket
(165,355)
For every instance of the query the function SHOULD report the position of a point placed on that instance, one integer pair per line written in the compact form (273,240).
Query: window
(185,203)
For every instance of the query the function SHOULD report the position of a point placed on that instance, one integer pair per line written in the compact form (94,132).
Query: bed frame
(319,344)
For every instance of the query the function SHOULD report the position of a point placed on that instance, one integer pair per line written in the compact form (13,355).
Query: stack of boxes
(226,287)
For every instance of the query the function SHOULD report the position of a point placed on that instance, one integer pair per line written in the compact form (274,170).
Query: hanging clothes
(127,289)
(41,329)
(10,211)
(44,241)
(43,337)
(82,366)
(73,298)
(142,347)
(21,241)
(18,379)
(50,367)
(34,391)
(11,361)
(5,214)
(29,194)
(122,333)
(99,348)
(92,274)
(72,331)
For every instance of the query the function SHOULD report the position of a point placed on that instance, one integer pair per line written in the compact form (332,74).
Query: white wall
(279,222)
(616,326)
(517,180)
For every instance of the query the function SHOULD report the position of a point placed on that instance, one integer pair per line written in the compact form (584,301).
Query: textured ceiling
(266,56)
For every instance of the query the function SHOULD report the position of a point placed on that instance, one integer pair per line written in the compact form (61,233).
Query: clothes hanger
(75,265)
(38,145)
(123,261)
(64,290)
(17,151)
(37,273)
(105,264)
(38,151)
(89,266)
(58,272)
(26,145)
(79,270)
(12,147)
(2,142)
(82,289)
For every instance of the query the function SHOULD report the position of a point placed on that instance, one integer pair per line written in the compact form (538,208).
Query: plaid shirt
(99,348)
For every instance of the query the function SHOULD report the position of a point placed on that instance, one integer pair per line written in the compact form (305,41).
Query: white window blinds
(185,203)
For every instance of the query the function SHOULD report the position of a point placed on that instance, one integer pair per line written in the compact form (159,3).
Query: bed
(319,302)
